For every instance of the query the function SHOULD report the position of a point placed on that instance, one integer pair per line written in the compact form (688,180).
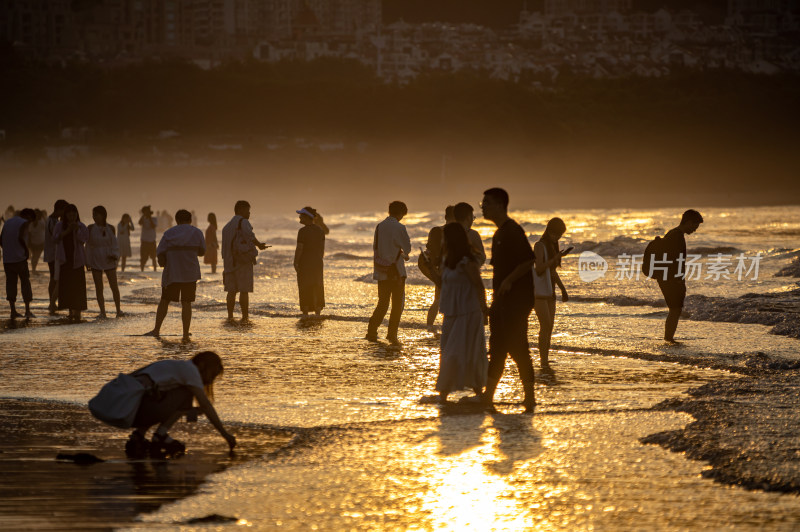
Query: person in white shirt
(102,254)
(178,253)
(175,384)
(15,260)
(391,246)
(36,231)
(239,253)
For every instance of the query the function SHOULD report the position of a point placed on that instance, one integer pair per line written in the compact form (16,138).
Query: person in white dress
(464,363)
(124,229)
(102,254)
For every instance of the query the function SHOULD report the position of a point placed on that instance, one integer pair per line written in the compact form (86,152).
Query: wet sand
(42,493)
(747,429)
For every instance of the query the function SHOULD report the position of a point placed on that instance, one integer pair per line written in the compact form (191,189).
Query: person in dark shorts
(512,301)
(178,253)
(15,260)
(673,281)
(173,385)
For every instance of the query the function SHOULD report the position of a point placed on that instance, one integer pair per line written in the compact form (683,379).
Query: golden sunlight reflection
(465,494)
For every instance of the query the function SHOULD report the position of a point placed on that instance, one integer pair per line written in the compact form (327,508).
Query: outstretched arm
(208,409)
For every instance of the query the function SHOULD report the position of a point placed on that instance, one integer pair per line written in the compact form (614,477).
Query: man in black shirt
(673,284)
(511,305)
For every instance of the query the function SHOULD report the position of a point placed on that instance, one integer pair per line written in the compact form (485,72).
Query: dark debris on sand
(779,310)
(746,428)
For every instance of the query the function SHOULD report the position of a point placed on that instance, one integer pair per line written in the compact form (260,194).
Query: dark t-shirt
(313,239)
(510,248)
(674,246)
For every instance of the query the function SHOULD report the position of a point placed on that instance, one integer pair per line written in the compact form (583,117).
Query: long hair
(456,244)
(70,208)
(212,219)
(210,366)
(553,225)
(126,219)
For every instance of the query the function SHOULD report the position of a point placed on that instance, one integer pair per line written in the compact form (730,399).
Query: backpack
(118,401)
(654,248)
(242,249)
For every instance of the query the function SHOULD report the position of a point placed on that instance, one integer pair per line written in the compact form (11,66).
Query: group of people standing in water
(524,279)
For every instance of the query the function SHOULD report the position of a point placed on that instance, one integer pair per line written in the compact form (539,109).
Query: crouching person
(173,385)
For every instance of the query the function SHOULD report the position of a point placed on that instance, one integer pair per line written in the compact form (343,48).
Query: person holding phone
(545,280)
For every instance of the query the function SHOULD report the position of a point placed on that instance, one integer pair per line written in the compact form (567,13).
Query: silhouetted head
(99,215)
(209,364)
(690,221)
(495,204)
(242,208)
(126,218)
(70,214)
(555,229)
(212,219)
(28,214)
(183,217)
(58,207)
(456,244)
(449,215)
(398,209)
(463,213)
(307,215)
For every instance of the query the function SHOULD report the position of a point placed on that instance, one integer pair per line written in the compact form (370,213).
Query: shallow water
(375,454)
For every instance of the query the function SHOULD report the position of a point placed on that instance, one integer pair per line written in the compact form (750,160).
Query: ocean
(371,449)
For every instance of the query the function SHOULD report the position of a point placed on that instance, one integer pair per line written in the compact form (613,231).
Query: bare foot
(120,313)
(186,338)
(29,315)
(154,333)
(15,315)
(102,316)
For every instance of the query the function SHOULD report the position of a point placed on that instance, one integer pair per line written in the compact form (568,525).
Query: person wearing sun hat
(308,261)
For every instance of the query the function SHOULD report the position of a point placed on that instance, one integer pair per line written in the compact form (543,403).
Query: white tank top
(543,284)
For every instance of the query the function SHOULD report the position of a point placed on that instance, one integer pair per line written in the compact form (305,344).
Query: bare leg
(213,268)
(122,264)
(244,302)
(161,313)
(672,324)
(231,301)
(164,427)
(434,310)
(186,318)
(544,312)
(52,290)
(112,282)
(97,276)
